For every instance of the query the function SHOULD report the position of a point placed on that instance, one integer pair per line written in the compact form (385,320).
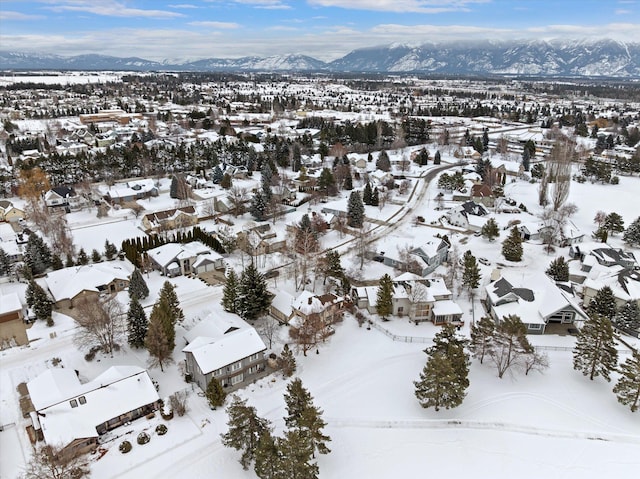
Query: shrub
(125,447)
(178,403)
(161,429)
(143,438)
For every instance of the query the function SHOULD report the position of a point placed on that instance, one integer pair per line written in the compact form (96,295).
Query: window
(73,403)
(535,326)
(237,379)
(82,400)
(236,366)
(254,357)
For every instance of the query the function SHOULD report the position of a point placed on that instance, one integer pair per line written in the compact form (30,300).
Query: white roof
(118,390)
(215,353)
(10,303)
(66,283)
(446,307)
(283,302)
(165,254)
(308,303)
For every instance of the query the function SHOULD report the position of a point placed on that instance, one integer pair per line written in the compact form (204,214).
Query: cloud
(400,6)
(108,8)
(622,11)
(219,25)
(265,4)
(183,5)
(9,15)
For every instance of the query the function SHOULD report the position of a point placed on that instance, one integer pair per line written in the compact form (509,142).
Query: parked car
(484,261)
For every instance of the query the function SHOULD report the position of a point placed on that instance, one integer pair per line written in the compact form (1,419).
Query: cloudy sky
(325,29)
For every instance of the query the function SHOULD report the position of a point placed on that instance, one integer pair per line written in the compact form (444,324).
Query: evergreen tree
(383,163)
(156,341)
(512,246)
(603,303)
(355,210)
(559,270)
(471,274)
(375,197)
(39,301)
(595,353)
(138,288)
(302,415)
(332,266)
(216,176)
(453,347)
(347,185)
(482,335)
(422,158)
(297,456)
(96,257)
(245,430)
(438,385)
(490,230)
(627,389)
(56,262)
(436,158)
(5,263)
(110,250)
(384,300)
(268,460)
(286,362)
(327,182)
(254,299)
(632,233)
(83,259)
(614,223)
(265,180)
(258,207)
(628,316)
(230,292)
(168,293)
(69,261)
(215,393)
(37,254)
(226,181)
(136,324)
(367,193)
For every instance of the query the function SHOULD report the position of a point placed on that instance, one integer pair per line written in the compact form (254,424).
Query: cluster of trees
(291,456)
(609,225)
(246,295)
(451,182)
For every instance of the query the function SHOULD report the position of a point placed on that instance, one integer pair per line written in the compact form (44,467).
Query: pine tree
(347,184)
(265,180)
(254,299)
(627,389)
(471,274)
(603,303)
(628,316)
(327,182)
(216,176)
(96,257)
(436,158)
(138,288)
(56,262)
(453,347)
(297,456)
(110,250)
(595,353)
(375,197)
(258,207)
(512,246)
(215,393)
(157,343)
(482,334)
(510,344)
(287,362)
(168,293)
(230,292)
(632,233)
(490,230)
(438,385)
(305,417)
(83,259)
(37,254)
(332,266)
(383,163)
(245,430)
(355,210)
(69,261)
(226,182)
(384,300)
(559,270)
(614,223)
(268,460)
(136,324)
(38,300)
(5,264)
(366,194)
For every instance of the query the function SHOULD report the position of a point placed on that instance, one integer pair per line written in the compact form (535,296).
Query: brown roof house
(13,329)
(170,219)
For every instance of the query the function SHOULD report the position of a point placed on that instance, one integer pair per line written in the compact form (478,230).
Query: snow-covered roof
(9,303)
(118,390)
(215,326)
(446,307)
(215,353)
(283,302)
(165,254)
(66,283)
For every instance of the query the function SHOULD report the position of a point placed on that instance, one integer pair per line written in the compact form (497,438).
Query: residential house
(468,215)
(433,252)
(261,239)
(481,193)
(9,213)
(421,260)
(624,283)
(226,348)
(169,219)
(13,329)
(175,259)
(74,415)
(467,153)
(537,300)
(281,307)
(327,309)
(68,285)
(63,196)
(130,191)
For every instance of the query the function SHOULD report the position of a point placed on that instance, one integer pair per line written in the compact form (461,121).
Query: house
(62,196)
(68,285)
(169,219)
(323,311)
(261,239)
(73,415)
(463,214)
(225,348)
(614,257)
(9,213)
(433,252)
(468,153)
(624,283)
(130,191)
(175,259)
(538,301)
(481,193)
(281,307)
(421,260)
(13,329)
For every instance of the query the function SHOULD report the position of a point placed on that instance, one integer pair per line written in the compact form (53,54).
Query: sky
(325,29)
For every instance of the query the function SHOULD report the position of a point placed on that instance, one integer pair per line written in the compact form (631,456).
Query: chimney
(310,300)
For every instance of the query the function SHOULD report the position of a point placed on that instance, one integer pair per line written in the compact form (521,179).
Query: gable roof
(66,283)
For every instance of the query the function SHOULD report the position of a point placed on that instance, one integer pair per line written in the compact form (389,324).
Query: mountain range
(601,58)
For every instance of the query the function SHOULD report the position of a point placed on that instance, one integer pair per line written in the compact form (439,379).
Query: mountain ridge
(574,58)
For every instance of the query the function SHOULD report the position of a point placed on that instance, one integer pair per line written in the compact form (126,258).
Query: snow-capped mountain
(603,58)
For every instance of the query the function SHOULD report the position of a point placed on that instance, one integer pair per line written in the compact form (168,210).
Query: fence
(395,337)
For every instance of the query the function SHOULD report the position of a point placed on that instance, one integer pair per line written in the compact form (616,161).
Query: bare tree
(238,197)
(268,329)
(61,237)
(560,170)
(535,361)
(308,332)
(408,261)
(363,242)
(53,462)
(101,322)
(178,402)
